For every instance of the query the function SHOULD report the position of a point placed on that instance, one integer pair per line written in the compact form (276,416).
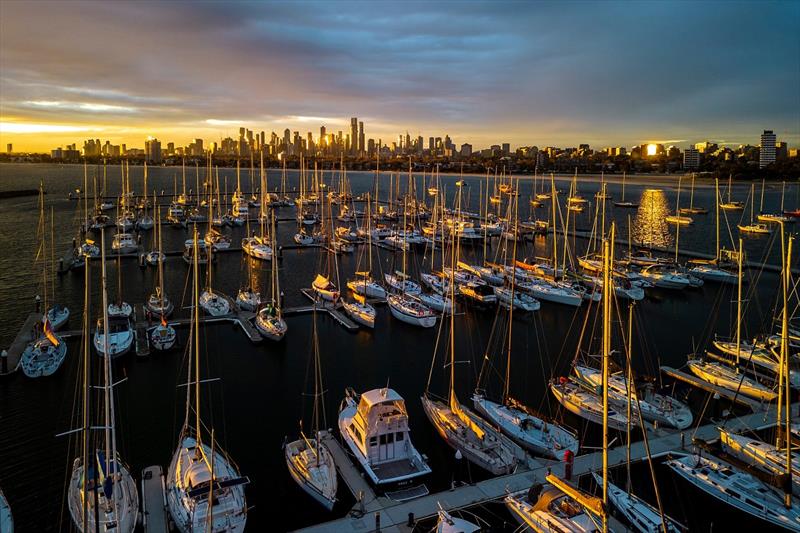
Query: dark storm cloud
(527,71)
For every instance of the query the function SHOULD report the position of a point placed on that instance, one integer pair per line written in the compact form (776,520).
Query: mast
(554,202)
(196,313)
(739,305)
(716,207)
(607,266)
(784,394)
(86,396)
(761,205)
(109,431)
(507,389)
(678,224)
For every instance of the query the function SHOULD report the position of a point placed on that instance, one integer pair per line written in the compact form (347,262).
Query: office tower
(691,159)
(152,150)
(360,138)
(781,151)
(431,145)
(507,148)
(466,150)
(767,154)
(353,135)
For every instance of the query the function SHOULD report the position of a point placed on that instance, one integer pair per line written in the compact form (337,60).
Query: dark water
(259,398)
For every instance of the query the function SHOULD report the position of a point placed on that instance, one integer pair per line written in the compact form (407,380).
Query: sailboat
(625,203)
(309,461)
(46,353)
(213,302)
(114,334)
(204,490)
(102,493)
(258,246)
(145,222)
(87,249)
(402,304)
(365,284)
(158,303)
(736,488)
(269,321)
(517,421)
(758,228)
(156,255)
(677,218)
(692,209)
(778,217)
(575,199)
(778,459)
(644,517)
(712,270)
(730,205)
(472,437)
(447,523)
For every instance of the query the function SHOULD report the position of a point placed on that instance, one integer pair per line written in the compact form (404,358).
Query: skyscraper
(353,135)
(767,155)
(152,150)
(360,138)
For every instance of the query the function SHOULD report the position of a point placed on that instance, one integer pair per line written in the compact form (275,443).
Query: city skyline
(606,74)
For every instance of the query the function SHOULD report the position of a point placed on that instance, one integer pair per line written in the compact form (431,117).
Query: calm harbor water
(259,398)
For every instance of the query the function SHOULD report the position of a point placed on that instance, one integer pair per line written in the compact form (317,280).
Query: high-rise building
(360,138)
(152,150)
(506,149)
(353,135)
(767,154)
(691,159)
(431,145)
(466,150)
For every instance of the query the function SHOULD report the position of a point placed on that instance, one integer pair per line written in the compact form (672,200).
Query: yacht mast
(607,266)
(739,305)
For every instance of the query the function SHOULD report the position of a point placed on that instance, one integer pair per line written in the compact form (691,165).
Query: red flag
(49,333)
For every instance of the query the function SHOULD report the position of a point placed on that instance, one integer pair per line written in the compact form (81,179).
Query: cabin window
(400,436)
(389,438)
(373,441)
(383,439)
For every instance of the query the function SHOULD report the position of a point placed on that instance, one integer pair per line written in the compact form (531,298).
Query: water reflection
(650,226)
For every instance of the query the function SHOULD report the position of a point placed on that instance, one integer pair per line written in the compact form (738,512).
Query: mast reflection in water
(650,226)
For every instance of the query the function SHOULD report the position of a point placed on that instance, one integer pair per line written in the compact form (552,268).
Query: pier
(154,501)
(25,336)
(400,517)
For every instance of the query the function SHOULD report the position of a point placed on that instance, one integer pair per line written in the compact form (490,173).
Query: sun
(652,149)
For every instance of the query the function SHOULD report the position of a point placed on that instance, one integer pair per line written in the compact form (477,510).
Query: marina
(243,359)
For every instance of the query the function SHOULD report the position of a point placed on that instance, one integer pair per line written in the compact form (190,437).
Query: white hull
(119,515)
(400,311)
(190,514)
(316,476)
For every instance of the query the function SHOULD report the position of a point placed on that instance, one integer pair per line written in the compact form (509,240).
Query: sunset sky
(558,73)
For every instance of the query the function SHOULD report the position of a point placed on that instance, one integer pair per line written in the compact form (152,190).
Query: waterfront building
(691,159)
(767,154)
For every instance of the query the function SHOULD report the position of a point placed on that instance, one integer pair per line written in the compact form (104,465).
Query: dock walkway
(394,516)
(154,502)
(21,341)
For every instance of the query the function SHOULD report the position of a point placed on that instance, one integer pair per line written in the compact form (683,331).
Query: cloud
(613,73)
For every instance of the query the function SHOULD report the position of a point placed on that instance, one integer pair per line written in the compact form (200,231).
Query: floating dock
(154,501)
(395,517)
(10,362)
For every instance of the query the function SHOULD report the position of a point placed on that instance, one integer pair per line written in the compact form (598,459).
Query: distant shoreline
(701,180)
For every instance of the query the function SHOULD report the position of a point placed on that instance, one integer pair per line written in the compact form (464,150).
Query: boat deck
(350,473)
(142,338)
(394,469)
(21,341)
(154,503)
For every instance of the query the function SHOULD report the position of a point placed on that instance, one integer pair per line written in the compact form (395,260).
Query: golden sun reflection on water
(650,226)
